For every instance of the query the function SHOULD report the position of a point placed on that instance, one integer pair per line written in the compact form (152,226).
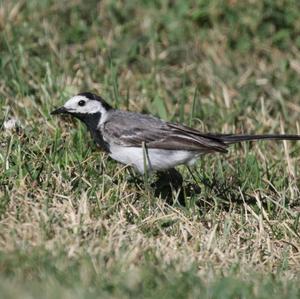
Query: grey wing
(132,129)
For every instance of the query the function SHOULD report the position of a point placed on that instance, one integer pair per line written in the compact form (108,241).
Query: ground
(75,224)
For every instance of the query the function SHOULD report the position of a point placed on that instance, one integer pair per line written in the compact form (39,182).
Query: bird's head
(86,106)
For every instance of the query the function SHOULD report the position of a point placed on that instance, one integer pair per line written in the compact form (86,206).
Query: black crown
(92,96)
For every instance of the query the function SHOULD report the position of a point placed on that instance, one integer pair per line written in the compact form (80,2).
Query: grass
(72,222)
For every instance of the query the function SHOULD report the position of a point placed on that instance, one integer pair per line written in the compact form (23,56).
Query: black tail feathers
(230,138)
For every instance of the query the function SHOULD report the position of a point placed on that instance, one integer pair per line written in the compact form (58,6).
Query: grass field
(73,224)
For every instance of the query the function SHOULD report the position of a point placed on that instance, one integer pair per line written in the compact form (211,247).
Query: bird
(146,142)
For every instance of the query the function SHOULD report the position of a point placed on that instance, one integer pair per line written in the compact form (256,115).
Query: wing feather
(132,129)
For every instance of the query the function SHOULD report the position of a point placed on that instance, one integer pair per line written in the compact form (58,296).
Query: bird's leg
(191,173)
(194,187)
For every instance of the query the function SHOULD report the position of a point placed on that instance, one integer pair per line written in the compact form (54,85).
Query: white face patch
(75,105)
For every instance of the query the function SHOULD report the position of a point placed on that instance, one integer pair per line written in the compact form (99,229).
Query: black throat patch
(91,121)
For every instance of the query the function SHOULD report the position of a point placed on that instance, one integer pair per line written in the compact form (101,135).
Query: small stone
(11,124)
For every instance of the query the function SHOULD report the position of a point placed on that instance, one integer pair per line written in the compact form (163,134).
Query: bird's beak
(60,110)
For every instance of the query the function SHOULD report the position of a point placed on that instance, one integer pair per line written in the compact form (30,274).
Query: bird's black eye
(81,103)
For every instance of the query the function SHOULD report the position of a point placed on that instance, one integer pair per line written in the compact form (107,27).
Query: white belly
(155,159)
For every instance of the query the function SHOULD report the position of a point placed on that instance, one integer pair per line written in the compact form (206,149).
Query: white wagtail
(143,141)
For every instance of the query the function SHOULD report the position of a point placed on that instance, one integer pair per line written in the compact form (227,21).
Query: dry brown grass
(60,197)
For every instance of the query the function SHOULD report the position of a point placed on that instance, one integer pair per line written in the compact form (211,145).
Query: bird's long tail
(231,138)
